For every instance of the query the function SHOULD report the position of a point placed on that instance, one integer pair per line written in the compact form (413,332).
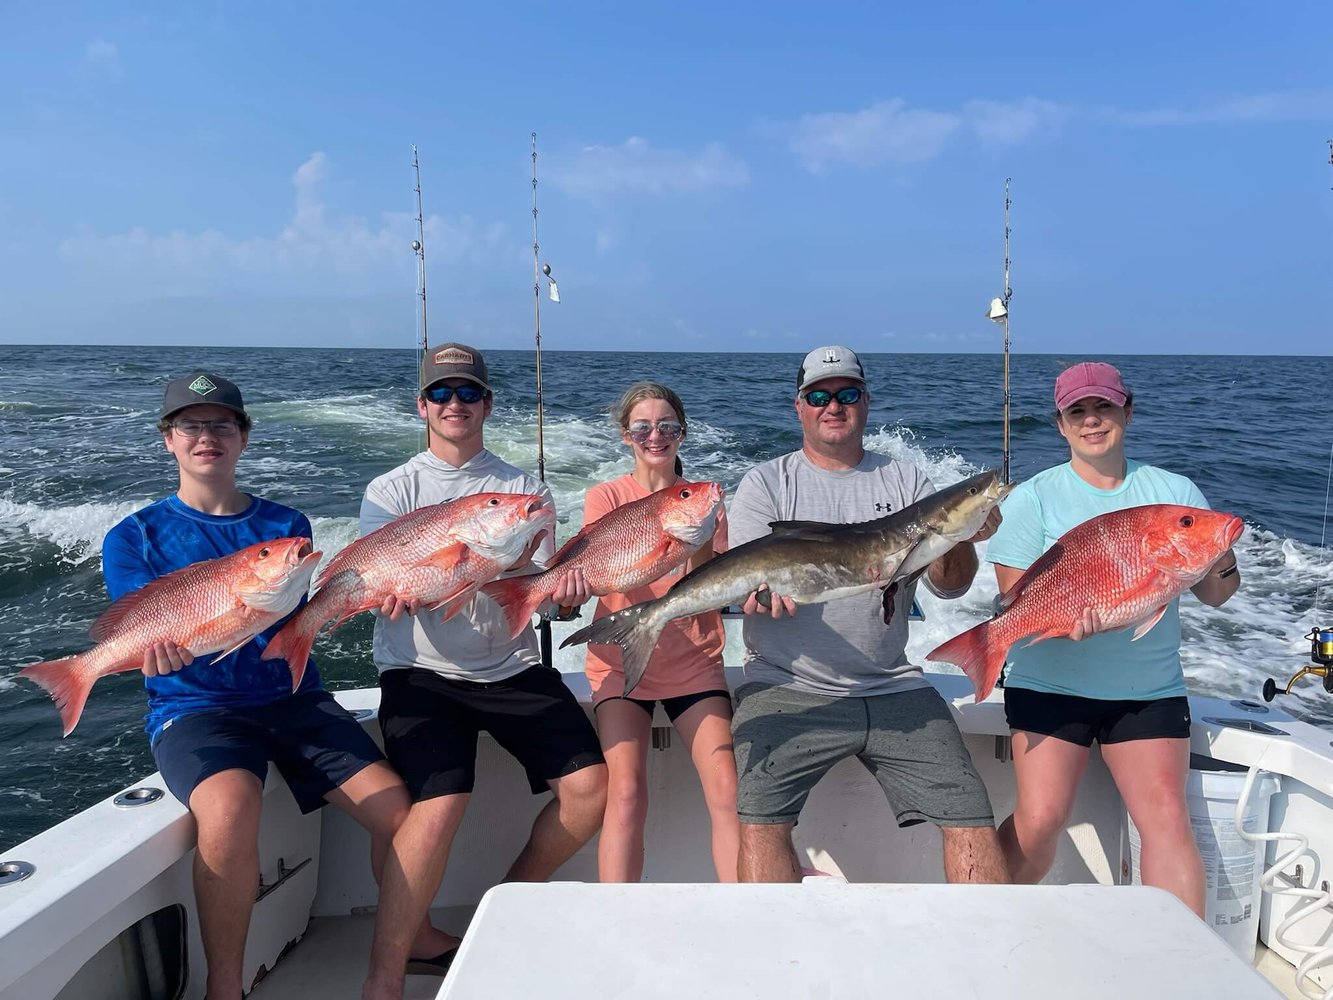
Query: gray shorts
(786,740)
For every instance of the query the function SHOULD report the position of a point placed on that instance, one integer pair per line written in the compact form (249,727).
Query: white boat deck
(821,939)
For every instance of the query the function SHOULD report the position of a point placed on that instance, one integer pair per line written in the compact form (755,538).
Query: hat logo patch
(830,358)
(202,385)
(453,356)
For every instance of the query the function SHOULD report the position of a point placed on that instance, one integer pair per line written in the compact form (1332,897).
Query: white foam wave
(359,409)
(77,530)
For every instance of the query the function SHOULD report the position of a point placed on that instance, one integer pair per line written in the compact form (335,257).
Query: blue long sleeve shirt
(169,535)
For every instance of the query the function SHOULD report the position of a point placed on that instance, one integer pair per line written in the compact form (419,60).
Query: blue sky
(753,177)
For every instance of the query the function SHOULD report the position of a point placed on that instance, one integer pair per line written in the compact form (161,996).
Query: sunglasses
(820,398)
(441,394)
(641,430)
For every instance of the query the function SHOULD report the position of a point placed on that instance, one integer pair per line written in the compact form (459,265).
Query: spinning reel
(1321,654)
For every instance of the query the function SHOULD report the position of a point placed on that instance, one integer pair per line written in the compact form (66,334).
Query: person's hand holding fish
(162,658)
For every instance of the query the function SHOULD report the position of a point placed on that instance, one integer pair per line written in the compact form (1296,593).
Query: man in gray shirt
(834,681)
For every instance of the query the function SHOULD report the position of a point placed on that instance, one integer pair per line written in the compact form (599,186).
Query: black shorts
(674,707)
(430,725)
(1081,720)
(314,742)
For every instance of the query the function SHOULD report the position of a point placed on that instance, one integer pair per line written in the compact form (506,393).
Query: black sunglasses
(820,398)
(441,394)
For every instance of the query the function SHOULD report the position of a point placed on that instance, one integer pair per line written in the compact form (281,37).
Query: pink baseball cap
(1090,378)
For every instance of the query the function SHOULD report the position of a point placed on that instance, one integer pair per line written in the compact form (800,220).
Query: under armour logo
(883,508)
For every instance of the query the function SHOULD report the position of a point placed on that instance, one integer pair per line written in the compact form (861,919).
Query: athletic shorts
(314,742)
(786,740)
(431,723)
(674,707)
(1078,720)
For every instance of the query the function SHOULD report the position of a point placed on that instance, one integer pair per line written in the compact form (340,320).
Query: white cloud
(635,167)
(313,251)
(892,132)
(103,57)
(1291,106)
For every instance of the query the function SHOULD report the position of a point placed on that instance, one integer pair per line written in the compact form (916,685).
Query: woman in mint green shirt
(1062,694)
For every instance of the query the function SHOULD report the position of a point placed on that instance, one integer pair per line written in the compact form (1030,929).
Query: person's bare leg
(1151,776)
(566,823)
(226,809)
(413,868)
(972,854)
(1047,772)
(767,853)
(377,799)
(624,730)
(706,729)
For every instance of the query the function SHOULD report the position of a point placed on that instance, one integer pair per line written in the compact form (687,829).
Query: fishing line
(1323,528)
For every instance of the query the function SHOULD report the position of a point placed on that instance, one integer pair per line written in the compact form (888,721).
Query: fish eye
(494,501)
(1187,521)
(684,494)
(263,553)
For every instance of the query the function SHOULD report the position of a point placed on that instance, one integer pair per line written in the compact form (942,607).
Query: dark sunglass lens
(848,396)
(469,393)
(818,397)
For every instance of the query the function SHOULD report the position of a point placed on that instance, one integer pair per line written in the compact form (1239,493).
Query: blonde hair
(635,395)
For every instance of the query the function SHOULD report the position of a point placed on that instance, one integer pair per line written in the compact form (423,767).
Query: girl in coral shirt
(685,672)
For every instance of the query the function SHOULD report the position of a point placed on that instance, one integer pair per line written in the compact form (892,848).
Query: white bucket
(1232,865)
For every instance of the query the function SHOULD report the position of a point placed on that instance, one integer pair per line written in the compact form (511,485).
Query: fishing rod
(538,269)
(999,313)
(419,248)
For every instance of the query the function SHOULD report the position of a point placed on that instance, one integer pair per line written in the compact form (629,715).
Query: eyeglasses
(641,430)
(441,394)
(225,427)
(820,398)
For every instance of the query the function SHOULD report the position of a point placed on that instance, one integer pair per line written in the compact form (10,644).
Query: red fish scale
(1106,559)
(381,563)
(205,594)
(630,546)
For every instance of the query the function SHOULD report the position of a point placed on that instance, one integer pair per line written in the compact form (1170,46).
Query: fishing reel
(1321,654)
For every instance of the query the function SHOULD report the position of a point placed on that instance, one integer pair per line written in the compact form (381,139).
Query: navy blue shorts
(430,725)
(314,741)
(1078,720)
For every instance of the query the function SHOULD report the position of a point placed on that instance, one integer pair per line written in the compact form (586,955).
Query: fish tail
(635,630)
(517,599)
(292,643)
(68,682)
(977,654)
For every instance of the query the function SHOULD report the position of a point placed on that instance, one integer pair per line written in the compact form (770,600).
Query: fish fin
(796,529)
(463,599)
(518,599)
(68,684)
(445,558)
(1043,563)
(977,654)
(634,630)
(1147,626)
(227,652)
(293,642)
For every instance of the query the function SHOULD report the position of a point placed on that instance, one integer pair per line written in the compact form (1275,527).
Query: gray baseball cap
(201,388)
(829,362)
(453,361)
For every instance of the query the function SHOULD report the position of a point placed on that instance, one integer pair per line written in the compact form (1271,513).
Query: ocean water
(80,452)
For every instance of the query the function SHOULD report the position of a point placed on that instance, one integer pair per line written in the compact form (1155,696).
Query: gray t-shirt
(474,645)
(842,647)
